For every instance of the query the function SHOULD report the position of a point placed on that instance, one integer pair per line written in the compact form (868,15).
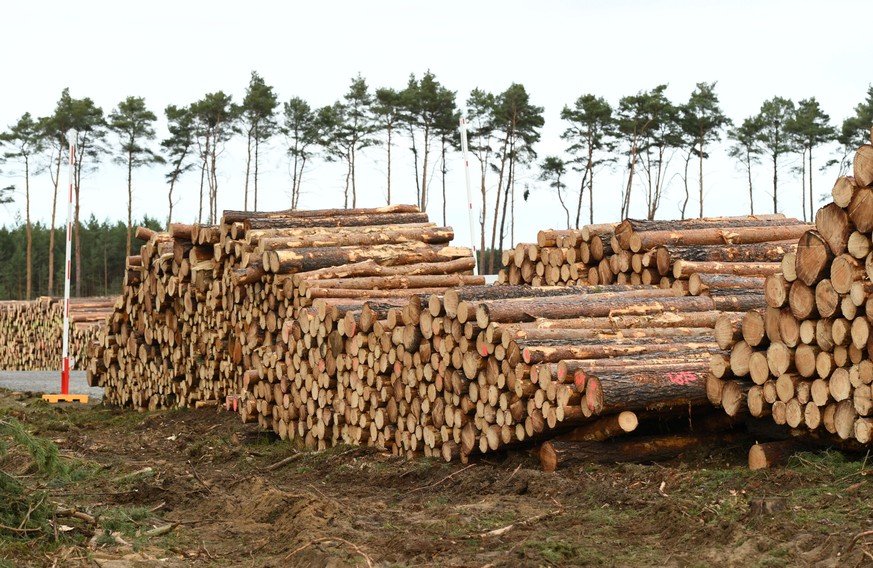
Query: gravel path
(47,382)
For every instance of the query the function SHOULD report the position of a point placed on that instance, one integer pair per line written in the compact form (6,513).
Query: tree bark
(667,255)
(717,236)
(337,221)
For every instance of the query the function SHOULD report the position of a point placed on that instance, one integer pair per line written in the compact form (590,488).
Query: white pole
(65,370)
(464,149)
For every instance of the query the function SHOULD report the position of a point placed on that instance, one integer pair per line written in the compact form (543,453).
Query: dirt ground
(227,495)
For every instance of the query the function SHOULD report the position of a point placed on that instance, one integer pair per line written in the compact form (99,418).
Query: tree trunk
(700,171)
(751,193)
(29,228)
(506,194)
(129,201)
(500,180)
(685,184)
(248,168)
(389,164)
(775,183)
(590,191)
(257,148)
(423,200)
(354,181)
(803,184)
(482,220)
(51,254)
(811,206)
(443,171)
(202,181)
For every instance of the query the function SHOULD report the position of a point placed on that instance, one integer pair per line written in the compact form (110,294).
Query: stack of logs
(365,326)
(476,369)
(805,358)
(722,252)
(204,304)
(31,332)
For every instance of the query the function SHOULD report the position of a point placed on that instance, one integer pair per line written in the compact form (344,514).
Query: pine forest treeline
(102,258)
(647,138)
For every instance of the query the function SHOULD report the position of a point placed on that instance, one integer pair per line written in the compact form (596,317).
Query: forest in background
(640,135)
(103,259)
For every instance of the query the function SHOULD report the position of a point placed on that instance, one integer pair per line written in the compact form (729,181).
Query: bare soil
(230,500)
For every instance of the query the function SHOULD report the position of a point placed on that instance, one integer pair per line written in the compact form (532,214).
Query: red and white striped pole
(464,149)
(65,369)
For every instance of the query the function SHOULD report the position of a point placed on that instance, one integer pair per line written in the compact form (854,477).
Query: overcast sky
(176,52)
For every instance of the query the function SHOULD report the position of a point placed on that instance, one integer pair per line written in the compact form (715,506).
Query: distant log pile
(721,251)
(804,359)
(31,333)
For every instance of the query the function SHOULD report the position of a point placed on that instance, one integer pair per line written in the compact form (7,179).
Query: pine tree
(27,143)
(773,136)
(133,123)
(591,133)
(257,115)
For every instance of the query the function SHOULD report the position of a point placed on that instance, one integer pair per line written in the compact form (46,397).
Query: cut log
(608,393)
(827,300)
(641,449)
(699,283)
(683,268)
(753,328)
(861,209)
(776,290)
(288,261)
(727,330)
(845,271)
(551,352)
(789,266)
(229,217)
(589,306)
(801,300)
(832,223)
(603,428)
(757,252)
(766,455)
(813,259)
(734,236)
(843,190)
(336,238)
(862,167)
(736,300)
(335,221)
(859,245)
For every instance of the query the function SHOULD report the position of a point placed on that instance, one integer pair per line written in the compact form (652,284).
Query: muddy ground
(227,495)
